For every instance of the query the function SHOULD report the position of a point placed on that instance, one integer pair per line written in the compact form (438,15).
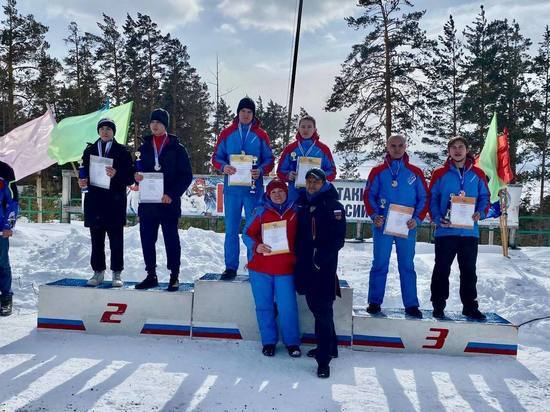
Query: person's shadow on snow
(86,372)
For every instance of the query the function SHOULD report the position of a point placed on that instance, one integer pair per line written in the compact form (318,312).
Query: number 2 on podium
(120,309)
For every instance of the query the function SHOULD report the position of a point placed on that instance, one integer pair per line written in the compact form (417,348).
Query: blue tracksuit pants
(270,289)
(405,262)
(5,268)
(233,206)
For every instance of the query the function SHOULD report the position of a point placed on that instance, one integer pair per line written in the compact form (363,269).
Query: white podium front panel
(393,330)
(224,309)
(342,317)
(68,304)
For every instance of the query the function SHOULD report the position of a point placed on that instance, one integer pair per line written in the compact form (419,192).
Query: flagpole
(293,76)
(503,194)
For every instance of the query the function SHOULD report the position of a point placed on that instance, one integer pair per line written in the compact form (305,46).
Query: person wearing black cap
(321,234)
(243,137)
(105,208)
(162,153)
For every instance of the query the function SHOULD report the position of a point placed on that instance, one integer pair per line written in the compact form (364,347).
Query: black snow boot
(149,282)
(174,283)
(6,305)
(374,308)
(228,274)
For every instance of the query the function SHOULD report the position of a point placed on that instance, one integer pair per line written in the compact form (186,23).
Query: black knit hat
(106,122)
(247,103)
(162,116)
(317,173)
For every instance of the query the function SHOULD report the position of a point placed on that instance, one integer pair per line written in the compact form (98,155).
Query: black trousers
(465,249)
(148,230)
(324,328)
(116,243)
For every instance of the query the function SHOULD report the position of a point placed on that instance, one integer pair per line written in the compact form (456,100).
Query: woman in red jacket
(270,234)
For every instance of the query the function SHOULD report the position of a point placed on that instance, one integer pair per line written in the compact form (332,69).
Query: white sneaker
(96,279)
(117,282)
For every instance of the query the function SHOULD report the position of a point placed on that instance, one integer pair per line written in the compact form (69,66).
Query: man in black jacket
(163,153)
(321,234)
(105,208)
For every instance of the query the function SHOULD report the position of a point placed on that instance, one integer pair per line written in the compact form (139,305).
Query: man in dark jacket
(162,153)
(105,208)
(8,214)
(321,234)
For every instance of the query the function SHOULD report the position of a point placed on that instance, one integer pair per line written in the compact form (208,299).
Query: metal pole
(293,77)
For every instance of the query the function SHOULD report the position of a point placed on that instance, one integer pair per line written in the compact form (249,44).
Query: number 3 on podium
(439,339)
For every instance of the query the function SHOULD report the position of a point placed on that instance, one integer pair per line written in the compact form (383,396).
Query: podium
(342,309)
(68,304)
(224,309)
(394,331)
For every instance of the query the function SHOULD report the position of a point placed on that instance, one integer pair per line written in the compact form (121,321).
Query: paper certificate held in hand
(151,188)
(305,164)
(396,221)
(274,236)
(462,209)
(243,175)
(98,173)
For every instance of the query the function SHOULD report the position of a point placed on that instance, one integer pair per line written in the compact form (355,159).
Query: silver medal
(394,183)
(157,167)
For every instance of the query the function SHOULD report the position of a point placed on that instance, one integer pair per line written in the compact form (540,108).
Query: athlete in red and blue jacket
(398,182)
(243,136)
(307,144)
(271,276)
(457,177)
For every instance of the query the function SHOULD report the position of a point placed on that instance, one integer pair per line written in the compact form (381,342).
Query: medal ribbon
(394,175)
(243,139)
(308,150)
(158,152)
(107,147)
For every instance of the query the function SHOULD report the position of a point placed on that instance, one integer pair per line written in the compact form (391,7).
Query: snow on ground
(65,371)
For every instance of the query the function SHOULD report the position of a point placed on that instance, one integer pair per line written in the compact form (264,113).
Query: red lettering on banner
(439,339)
(121,308)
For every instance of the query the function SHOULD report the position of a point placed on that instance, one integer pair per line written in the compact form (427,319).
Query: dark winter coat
(107,207)
(176,168)
(321,234)
(7,173)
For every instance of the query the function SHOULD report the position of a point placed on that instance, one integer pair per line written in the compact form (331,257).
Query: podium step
(69,304)
(392,330)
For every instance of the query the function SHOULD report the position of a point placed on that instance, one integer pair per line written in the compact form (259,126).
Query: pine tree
(480,72)
(81,72)
(110,55)
(186,97)
(23,39)
(541,68)
(273,119)
(444,94)
(44,90)
(222,117)
(379,79)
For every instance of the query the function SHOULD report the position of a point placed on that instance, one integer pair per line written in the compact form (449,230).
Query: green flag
(70,136)
(488,161)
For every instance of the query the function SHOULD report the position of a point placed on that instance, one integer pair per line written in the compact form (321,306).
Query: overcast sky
(253,38)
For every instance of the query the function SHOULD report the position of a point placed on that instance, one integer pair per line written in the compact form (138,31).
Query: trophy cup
(253,182)
(139,166)
(447,216)
(82,175)
(294,161)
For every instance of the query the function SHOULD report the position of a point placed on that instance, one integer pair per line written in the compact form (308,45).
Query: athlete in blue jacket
(307,144)
(243,136)
(457,177)
(398,182)
(8,214)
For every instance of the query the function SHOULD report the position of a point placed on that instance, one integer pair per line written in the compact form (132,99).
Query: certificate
(243,175)
(462,209)
(98,174)
(274,235)
(305,164)
(151,188)
(396,221)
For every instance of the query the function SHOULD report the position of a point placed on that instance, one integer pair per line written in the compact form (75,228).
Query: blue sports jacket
(446,181)
(8,206)
(411,189)
(253,141)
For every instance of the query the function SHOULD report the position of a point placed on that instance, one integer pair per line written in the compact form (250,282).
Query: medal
(157,167)
(395,174)
(158,152)
(394,183)
(243,152)
(462,193)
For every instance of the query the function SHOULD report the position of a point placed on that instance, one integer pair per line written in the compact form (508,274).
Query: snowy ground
(74,372)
